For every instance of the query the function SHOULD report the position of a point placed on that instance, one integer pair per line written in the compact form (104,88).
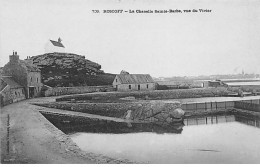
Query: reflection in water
(217,139)
(71,125)
(248,121)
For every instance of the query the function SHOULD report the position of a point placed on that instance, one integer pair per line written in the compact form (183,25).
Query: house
(54,46)
(25,74)
(133,82)
(10,91)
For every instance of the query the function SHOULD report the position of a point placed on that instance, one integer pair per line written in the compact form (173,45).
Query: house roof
(134,78)
(7,80)
(2,84)
(56,43)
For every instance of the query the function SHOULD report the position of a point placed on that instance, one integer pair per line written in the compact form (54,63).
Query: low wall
(153,95)
(208,106)
(152,111)
(56,91)
(245,88)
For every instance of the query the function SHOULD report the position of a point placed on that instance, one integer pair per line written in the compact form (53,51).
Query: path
(33,139)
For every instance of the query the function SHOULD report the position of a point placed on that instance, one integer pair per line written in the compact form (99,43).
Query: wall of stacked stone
(56,91)
(153,95)
(246,88)
(140,110)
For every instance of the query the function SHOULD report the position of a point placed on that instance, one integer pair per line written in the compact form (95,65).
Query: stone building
(133,82)
(25,74)
(54,46)
(10,91)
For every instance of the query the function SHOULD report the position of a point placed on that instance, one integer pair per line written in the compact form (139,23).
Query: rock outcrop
(67,69)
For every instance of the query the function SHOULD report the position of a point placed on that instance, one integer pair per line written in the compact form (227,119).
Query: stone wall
(152,111)
(245,88)
(154,95)
(55,91)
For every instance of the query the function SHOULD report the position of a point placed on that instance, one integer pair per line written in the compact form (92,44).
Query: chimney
(13,59)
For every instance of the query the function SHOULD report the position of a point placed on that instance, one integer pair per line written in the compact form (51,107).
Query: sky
(223,41)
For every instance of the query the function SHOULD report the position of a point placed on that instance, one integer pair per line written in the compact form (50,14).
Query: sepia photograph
(130,82)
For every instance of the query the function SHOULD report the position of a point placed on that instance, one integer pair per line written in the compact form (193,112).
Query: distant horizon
(200,75)
(206,75)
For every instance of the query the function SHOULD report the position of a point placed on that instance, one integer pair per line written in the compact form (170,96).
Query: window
(116,80)
(37,80)
(22,91)
(129,86)
(31,79)
(147,86)
(15,93)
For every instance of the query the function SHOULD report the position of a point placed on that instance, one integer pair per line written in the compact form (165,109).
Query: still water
(214,139)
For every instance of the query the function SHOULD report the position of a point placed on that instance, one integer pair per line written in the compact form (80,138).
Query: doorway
(31,92)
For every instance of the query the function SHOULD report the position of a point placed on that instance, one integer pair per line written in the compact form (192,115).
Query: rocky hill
(67,69)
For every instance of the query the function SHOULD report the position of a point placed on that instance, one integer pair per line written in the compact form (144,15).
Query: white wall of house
(115,82)
(134,87)
(50,48)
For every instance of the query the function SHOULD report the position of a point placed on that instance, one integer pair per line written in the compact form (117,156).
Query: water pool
(214,139)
